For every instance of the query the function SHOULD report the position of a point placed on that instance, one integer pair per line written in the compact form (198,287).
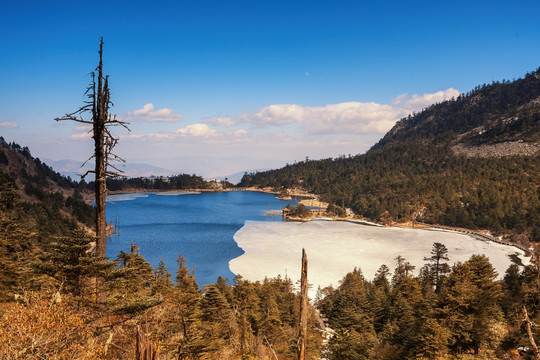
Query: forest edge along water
(229,233)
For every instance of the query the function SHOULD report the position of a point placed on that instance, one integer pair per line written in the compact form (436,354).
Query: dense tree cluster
(222,321)
(25,229)
(462,312)
(426,183)
(412,173)
(176,182)
(298,211)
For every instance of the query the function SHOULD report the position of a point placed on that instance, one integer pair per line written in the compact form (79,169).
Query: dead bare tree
(303,308)
(528,327)
(98,104)
(144,348)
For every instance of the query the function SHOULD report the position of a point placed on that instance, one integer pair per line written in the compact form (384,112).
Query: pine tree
(472,303)
(13,237)
(132,283)
(403,270)
(351,345)
(432,340)
(187,297)
(436,267)
(247,307)
(162,284)
(68,259)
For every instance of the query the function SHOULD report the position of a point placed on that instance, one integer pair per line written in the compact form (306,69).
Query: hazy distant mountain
(473,161)
(237,177)
(72,168)
(214,166)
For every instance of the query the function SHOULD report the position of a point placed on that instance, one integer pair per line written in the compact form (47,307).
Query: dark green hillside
(499,112)
(36,206)
(39,186)
(416,173)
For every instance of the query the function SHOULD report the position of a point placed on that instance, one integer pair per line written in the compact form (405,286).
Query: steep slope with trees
(439,166)
(40,186)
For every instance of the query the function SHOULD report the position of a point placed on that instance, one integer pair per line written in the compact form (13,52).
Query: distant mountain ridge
(472,161)
(73,169)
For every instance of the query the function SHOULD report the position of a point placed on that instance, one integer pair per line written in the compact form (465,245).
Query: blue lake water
(200,227)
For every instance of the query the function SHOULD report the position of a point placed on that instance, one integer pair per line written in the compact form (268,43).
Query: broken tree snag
(97,105)
(144,349)
(527,322)
(303,307)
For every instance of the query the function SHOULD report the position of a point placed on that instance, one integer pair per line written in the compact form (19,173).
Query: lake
(212,230)
(199,226)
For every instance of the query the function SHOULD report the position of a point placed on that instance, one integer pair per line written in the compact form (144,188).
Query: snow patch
(336,248)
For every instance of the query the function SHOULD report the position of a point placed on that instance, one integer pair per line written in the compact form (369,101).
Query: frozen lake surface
(336,248)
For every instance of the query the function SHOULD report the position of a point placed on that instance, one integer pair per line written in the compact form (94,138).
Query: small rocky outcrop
(511,148)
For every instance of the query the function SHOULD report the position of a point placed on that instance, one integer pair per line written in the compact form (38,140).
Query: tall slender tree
(436,267)
(98,105)
(303,307)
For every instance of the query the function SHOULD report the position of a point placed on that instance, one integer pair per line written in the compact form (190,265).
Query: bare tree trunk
(101,115)
(144,349)
(527,322)
(303,307)
(98,105)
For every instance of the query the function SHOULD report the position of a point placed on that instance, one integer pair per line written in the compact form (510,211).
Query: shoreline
(312,201)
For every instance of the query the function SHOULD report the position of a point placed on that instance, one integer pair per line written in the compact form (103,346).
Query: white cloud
(350,117)
(280,133)
(347,117)
(275,115)
(191,134)
(8,125)
(147,113)
(240,133)
(197,130)
(222,121)
(83,128)
(81,136)
(419,102)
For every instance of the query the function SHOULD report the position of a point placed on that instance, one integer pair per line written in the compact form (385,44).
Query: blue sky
(226,86)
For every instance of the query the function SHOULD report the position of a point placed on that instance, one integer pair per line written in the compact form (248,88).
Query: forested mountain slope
(40,186)
(471,161)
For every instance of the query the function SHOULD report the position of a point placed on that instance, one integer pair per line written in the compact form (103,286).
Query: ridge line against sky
(220,87)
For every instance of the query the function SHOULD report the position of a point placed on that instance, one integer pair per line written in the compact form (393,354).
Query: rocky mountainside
(472,161)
